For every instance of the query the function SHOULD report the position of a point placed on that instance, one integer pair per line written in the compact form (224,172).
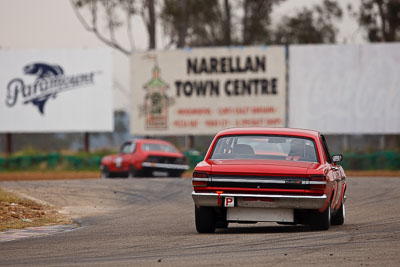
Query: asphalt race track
(151,222)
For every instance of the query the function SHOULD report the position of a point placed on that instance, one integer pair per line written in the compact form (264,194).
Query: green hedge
(193,157)
(351,161)
(91,161)
(80,161)
(385,160)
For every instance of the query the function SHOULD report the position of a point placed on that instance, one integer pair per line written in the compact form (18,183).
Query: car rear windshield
(158,147)
(265,147)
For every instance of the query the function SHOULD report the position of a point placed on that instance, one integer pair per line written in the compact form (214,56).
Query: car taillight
(318,182)
(199,183)
(200,175)
(200,179)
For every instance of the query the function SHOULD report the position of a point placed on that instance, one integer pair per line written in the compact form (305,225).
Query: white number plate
(229,202)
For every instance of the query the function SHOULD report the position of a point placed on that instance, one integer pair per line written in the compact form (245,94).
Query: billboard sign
(345,89)
(201,91)
(56,90)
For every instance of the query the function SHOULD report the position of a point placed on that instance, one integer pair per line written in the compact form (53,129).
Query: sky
(52,24)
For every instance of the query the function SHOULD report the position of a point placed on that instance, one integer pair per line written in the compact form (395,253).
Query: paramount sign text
(49,82)
(56,90)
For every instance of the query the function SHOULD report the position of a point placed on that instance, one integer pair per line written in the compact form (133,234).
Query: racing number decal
(118,162)
(229,202)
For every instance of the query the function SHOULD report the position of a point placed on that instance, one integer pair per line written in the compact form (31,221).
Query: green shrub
(31,159)
(383,160)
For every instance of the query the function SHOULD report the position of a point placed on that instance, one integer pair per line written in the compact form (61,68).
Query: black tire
(148,173)
(338,217)
(205,219)
(132,172)
(321,221)
(105,172)
(222,224)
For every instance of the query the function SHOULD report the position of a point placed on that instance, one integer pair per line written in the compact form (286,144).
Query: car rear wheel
(321,221)
(222,224)
(205,219)
(338,218)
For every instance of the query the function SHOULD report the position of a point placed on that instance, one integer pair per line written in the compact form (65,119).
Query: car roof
(150,141)
(273,131)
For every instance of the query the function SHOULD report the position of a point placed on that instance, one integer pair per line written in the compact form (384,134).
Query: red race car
(142,157)
(269,175)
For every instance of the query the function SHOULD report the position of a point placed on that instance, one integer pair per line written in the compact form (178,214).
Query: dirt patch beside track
(18,212)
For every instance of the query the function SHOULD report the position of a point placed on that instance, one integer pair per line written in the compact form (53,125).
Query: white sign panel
(201,91)
(56,90)
(345,89)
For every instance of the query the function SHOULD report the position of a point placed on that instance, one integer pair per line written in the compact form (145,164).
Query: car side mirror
(337,158)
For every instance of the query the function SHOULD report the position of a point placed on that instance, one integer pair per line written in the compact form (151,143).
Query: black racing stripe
(258,185)
(285,182)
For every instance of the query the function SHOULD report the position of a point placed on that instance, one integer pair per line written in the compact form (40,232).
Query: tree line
(200,23)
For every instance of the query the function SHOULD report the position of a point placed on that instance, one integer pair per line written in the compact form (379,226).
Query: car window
(265,147)
(128,148)
(158,147)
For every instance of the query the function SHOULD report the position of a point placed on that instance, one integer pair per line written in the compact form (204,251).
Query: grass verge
(18,213)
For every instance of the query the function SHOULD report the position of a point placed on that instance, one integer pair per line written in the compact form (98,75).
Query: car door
(335,173)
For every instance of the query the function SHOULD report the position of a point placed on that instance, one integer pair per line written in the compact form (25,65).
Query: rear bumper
(261,200)
(164,166)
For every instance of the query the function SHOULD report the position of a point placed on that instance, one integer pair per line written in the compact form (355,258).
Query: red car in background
(269,175)
(142,157)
